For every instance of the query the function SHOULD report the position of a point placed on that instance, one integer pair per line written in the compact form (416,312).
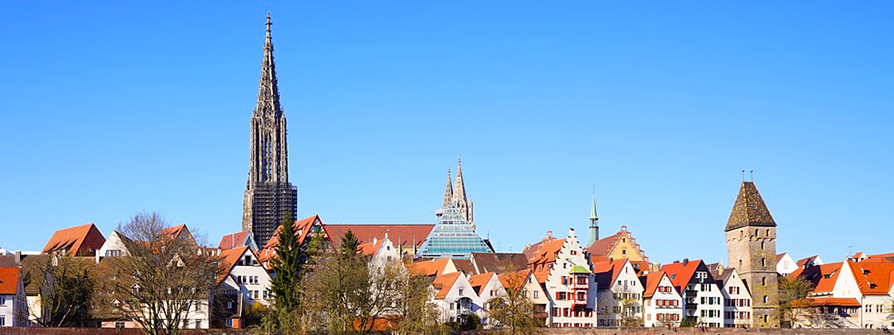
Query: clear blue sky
(115,107)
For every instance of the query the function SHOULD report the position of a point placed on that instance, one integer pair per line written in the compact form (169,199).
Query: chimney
(18,257)
(685,261)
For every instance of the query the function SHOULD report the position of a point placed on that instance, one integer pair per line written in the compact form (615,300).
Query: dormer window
(865,272)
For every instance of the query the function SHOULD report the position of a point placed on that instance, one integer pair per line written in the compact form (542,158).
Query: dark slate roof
(749,209)
(499,262)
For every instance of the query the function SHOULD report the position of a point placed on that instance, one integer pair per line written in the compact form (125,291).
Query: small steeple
(448,194)
(594,224)
(268,93)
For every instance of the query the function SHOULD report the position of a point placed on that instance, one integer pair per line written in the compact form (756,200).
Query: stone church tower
(456,195)
(269,196)
(751,245)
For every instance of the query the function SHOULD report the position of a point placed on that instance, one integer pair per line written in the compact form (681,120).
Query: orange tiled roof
(228,260)
(175,231)
(680,274)
(826,301)
(532,249)
(548,251)
(822,277)
(873,277)
(479,281)
(651,282)
(606,273)
(399,234)
(81,240)
(9,280)
(233,240)
(443,283)
(369,249)
(506,278)
(429,267)
(779,257)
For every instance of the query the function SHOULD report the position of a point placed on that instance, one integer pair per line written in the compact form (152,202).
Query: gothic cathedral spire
(456,195)
(269,197)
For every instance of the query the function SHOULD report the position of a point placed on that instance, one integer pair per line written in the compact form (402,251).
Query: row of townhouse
(855,293)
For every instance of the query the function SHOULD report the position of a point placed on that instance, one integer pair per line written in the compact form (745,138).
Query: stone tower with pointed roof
(751,246)
(456,195)
(594,224)
(269,196)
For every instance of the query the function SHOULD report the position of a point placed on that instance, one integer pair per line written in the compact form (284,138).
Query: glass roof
(453,237)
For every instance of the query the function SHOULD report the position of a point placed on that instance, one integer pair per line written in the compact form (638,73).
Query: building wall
(707,298)
(611,311)
(447,310)
(626,248)
(737,303)
(786,265)
(571,254)
(875,311)
(651,308)
(752,251)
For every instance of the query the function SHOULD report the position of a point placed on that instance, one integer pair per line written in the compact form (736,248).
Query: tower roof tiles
(749,209)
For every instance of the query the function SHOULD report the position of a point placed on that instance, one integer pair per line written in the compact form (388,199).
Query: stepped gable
(749,209)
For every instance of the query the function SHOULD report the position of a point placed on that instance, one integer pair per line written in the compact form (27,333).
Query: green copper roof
(579,269)
(593,212)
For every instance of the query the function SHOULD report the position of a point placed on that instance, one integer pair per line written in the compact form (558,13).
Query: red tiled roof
(872,277)
(826,301)
(603,246)
(651,282)
(81,240)
(228,260)
(399,234)
(233,240)
(681,273)
(9,280)
(804,261)
(302,230)
(479,281)
(175,231)
(443,283)
(532,249)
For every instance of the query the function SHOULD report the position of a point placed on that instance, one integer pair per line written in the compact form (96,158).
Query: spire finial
(268,24)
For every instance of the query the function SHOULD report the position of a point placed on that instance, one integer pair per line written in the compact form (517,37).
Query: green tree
(288,266)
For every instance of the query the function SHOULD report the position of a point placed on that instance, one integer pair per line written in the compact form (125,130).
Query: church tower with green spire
(594,224)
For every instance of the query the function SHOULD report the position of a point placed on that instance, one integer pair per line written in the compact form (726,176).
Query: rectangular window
(535,294)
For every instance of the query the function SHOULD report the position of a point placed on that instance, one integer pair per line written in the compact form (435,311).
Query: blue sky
(110,108)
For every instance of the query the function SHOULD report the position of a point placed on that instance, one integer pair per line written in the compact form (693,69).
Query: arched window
(765,299)
(763,245)
(768,233)
(763,262)
(623,251)
(764,281)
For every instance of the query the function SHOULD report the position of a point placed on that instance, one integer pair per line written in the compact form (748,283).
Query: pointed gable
(443,283)
(651,282)
(749,209)
(81,240)
(229,258)
(606,273)
(478,282)
(681,273)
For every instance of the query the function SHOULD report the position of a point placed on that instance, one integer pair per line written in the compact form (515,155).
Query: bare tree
(67,286)
(513,308)
(792,299)
(165,279)
(413,309)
